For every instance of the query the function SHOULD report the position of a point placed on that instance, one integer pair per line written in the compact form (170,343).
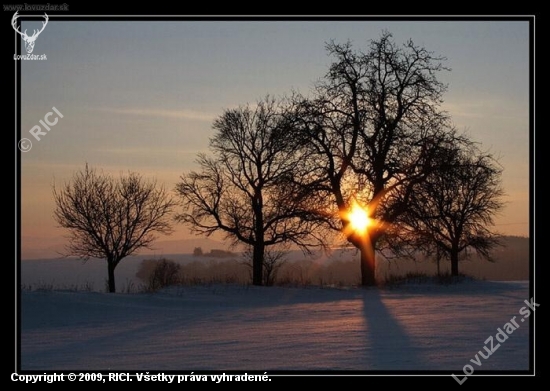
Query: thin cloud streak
(140,151)
(486,109)
(182,114)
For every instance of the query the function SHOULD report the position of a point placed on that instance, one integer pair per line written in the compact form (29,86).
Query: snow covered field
(423,327)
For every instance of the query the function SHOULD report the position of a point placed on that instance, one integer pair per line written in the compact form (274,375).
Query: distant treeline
(511,263)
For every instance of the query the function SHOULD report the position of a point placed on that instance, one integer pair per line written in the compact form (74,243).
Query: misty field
(339,268)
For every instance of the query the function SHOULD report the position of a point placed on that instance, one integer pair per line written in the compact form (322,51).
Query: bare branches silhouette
(111,218)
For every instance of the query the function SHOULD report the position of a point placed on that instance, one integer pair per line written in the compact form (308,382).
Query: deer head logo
(29,40)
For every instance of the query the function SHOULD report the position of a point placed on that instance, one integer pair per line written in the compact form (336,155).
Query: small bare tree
(165,273)
(273,260)
(452,212)
(111,218)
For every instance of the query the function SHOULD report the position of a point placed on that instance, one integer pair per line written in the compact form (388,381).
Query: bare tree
(245,189)
(371,130)
(111,218)
(274,259)
(452,211)
(164,273)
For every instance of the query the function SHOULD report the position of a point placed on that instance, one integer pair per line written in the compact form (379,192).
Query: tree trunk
(257,263)
(259,245)
(368,264)
(111,275)
(454,262)
(438,260)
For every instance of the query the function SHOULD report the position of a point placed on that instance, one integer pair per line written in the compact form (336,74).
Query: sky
(142,95)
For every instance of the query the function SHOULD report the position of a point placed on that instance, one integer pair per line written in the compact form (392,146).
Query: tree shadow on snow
(388,346)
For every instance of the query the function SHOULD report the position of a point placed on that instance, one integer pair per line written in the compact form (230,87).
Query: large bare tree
(452,212)
(110,217)
(246,189)
(371,130)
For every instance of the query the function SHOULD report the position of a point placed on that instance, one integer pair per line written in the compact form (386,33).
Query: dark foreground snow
(224,327)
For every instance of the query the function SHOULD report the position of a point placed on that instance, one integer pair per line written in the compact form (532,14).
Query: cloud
(486,108)
(183,114)
(141,151)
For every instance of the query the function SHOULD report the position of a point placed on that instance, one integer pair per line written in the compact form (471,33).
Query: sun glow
(359,218)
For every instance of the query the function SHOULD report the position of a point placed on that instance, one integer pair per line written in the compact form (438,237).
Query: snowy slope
(227,327)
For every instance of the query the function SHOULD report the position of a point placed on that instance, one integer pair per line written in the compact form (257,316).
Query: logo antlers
(29,41)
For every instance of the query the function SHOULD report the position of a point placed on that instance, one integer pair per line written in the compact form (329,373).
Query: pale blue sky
(141,95)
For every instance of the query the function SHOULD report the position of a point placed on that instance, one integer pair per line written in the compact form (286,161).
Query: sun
(359,218)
